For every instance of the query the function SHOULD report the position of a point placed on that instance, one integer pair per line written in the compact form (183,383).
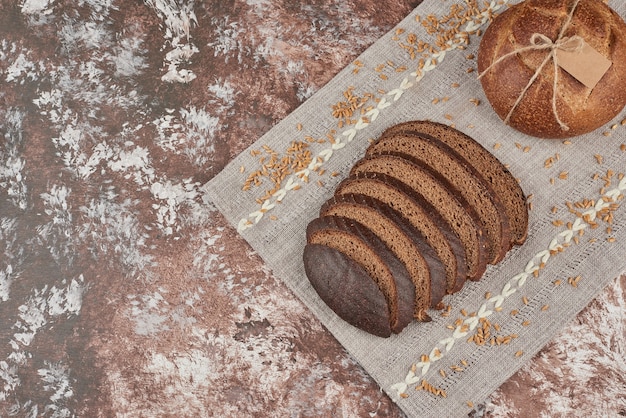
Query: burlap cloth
(576,242)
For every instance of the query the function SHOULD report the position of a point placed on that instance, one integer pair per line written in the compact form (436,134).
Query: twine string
(539,42)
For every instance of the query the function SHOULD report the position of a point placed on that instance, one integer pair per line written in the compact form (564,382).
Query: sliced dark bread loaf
(443,196)
(493,171)
(347,288)
(381,265)
(420,214)
(425,209)
(424,266)
(426,150)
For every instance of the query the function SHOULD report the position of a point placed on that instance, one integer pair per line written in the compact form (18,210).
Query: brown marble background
(122,292)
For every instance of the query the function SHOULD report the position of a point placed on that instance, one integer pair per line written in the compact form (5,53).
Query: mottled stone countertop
(121,292)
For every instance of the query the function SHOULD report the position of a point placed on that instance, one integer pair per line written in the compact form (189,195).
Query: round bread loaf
(579,108)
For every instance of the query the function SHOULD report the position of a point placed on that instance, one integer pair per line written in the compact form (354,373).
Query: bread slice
(424,266)
(346,287)
(504,184)
(420,214)
(359,244)
(439,193)
(427,150)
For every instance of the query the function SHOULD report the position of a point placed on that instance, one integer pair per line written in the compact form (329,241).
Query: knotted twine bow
(540,42)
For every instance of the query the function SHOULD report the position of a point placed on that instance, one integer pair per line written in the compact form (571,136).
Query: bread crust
(580,108)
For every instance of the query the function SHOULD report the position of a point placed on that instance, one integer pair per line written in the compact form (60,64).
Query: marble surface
(122,291)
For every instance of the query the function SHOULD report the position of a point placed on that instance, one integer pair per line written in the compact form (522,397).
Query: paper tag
(587,66)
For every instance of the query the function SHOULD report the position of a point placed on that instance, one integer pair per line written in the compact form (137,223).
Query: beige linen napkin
(576,242)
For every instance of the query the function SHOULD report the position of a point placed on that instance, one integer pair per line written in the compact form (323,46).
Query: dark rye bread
(426,150)
(493,172)
(425,209)
(345,286)
(442,196)
(420,214)
(424,266)
(360,245)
